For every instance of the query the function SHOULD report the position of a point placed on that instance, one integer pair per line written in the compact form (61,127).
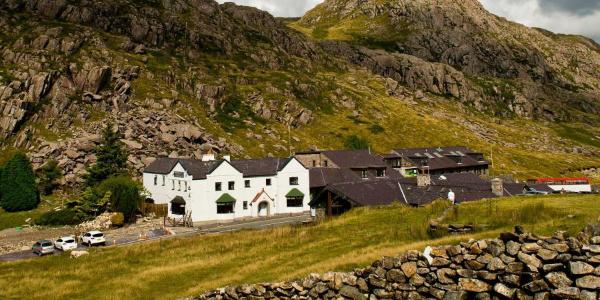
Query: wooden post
(329,204)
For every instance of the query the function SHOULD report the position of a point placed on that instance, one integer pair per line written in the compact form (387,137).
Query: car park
(43,247)
(93,238)
(65,243)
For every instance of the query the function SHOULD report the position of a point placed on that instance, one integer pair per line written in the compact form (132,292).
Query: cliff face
(535,66)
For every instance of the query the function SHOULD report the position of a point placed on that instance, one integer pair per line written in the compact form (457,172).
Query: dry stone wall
(513,266)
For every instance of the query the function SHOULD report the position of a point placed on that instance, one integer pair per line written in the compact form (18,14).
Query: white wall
(572,188)
(201,196)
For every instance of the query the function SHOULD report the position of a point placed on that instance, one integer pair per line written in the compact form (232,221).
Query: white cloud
(280,8)
(532,13)
(573,16)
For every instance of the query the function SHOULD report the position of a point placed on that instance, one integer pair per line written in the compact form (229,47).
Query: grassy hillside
(187,266)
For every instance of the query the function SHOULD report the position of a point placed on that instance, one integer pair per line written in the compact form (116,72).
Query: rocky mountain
(458,49)
(179,75)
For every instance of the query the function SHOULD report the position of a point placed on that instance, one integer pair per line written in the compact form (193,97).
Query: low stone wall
(513,266)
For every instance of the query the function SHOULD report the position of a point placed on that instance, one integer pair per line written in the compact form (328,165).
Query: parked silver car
(43,247)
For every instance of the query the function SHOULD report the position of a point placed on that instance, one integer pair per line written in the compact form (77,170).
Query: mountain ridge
(177,75)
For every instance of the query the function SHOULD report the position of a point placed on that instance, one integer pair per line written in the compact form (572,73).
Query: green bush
(61,217)
(355,142)
(118,219)
(124,195)
(18,186)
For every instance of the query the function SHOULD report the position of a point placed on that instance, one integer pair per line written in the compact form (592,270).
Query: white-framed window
(173,184)
(364,174)
(245,205)
(293,180)
(268,181)
(163,180)
(179,185)
(231,185)
(218,186)
(381,173)
(155,179)
(247,183)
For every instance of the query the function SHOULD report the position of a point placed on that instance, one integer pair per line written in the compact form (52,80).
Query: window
(163,180)
(294,201)
(364,174)
(178,209)
(381,173)
(225,208)
(268,181)
(314,163)
(173,184)
(217,186)
(179,174)
(293,180)
(155,179)
(231,185)
(186,187)
(247,183)
(326,163)
(396,163)
(245,204)
(179,185)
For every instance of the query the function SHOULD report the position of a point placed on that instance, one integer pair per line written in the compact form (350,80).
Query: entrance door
(263,209)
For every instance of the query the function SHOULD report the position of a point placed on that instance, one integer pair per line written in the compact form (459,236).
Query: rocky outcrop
(512,266)
(463,35)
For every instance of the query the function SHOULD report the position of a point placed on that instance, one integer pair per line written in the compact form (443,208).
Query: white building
(214,190)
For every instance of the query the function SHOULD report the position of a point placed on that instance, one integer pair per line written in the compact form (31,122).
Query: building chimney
(227,157)
(208,155)
(498,187)
(423,179)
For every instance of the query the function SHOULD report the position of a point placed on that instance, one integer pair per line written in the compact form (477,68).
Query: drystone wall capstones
(513,266)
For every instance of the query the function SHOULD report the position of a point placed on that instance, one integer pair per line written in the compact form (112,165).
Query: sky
(561,16)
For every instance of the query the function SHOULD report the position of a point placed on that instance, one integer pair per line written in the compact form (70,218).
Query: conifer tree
(17,183)
(48,176)
(111,158)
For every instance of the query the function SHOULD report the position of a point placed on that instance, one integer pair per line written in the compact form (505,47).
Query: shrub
(118,219)
(355,142)
(61,217)
(49,174)
(124,195)
(17,183)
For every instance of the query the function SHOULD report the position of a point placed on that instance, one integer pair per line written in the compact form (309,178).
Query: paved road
(159,234)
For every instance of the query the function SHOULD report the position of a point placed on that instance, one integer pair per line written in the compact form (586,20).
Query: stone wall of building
(513,266)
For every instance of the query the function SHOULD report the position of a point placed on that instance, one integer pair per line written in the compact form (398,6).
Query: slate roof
(320,177)
(440,158)
(199,169)
(354,158)
(260,167)
(466,187)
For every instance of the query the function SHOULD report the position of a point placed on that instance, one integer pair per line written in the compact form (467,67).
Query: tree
(17,183)
(48,176)
(124,195)
(355,142)
(112,158)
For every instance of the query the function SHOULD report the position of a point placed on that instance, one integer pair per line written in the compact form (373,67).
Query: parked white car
(65,243)
(92,238)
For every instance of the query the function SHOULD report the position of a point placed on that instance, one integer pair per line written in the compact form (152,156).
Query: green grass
(580,135)
(539,214)
(17,219)
(183,267)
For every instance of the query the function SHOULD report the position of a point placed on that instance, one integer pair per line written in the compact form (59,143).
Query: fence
(160,210)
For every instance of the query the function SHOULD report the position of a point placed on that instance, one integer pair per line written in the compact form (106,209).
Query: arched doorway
(264,210)
(178,206)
